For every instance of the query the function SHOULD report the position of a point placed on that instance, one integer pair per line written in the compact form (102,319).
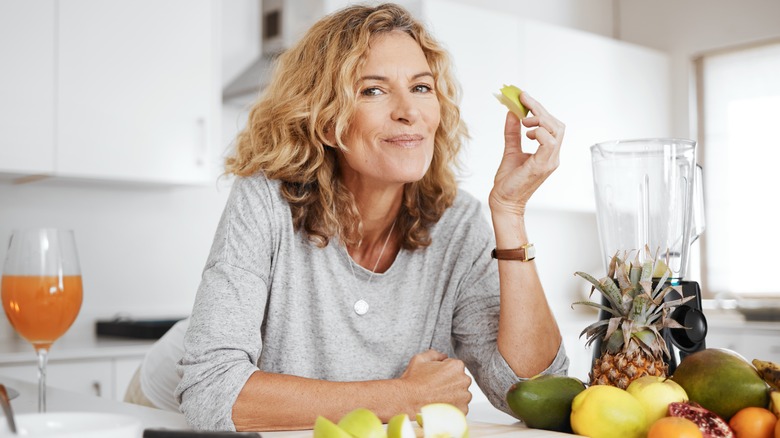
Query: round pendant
(361,307)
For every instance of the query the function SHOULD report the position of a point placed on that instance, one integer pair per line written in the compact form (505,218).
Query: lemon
(655,393)
(603,411)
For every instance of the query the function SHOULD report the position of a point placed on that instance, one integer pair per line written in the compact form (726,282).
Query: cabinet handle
(97,388)
(202,145)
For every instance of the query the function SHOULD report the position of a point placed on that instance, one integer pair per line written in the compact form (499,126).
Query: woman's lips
(405,140)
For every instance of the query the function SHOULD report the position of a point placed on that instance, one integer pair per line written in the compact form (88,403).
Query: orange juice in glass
(41,308)
(41,290)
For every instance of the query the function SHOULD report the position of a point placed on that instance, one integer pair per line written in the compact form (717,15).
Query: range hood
(282,22)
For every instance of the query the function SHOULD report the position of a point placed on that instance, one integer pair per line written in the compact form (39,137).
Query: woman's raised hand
(521,173)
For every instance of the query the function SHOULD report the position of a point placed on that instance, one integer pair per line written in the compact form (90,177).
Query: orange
(674,427)
(777,429)
(754,422)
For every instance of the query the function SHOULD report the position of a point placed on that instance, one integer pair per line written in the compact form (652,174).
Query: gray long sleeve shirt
(271,300)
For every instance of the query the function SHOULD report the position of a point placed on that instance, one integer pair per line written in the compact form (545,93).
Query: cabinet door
(27,86)
(124,369)
(86,377)
(136,89)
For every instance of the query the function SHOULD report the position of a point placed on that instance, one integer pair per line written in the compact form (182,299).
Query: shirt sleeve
(475,322)
(219,357)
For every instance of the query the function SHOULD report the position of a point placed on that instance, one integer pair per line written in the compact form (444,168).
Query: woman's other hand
(521,173)
(432,377)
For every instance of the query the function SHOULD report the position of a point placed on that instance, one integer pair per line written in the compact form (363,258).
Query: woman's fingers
(512,137)
(548,130)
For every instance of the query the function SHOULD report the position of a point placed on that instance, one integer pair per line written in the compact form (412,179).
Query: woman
(347,270)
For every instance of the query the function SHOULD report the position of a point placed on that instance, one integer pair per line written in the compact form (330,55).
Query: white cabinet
(27,86)
(102,377)
(133,89)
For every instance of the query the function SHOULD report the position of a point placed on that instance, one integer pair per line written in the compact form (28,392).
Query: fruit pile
(441,420)
(713,393)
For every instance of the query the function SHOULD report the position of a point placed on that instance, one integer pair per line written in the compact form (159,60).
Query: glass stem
(43,358)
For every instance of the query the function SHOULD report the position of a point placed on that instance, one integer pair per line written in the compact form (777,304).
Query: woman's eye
(373,91)
(422,88)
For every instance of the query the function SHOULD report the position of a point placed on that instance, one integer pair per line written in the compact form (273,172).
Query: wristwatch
(525,253)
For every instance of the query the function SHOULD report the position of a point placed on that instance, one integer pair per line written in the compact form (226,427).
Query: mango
(544,402)
(721,381)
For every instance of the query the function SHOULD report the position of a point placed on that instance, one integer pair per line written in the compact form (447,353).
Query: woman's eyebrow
(385,79)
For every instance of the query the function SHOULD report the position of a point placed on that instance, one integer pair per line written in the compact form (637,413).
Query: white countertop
(59,400)
(484,420)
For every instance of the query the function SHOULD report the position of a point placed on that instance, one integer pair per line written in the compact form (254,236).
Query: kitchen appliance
(281,23)
(648,192)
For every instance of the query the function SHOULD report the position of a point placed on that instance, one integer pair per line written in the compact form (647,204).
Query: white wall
(687,28)
(142,248)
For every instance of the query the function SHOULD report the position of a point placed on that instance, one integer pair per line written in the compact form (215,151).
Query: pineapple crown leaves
(638,312)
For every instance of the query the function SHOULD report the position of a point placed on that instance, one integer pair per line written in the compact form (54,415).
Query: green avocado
(544,402)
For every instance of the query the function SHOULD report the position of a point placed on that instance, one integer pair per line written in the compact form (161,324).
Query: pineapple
(631,342)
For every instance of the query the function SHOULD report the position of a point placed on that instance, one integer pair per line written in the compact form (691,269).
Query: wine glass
(41,290)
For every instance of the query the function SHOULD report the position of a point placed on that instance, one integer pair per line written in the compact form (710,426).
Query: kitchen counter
(484,420)
(59,400)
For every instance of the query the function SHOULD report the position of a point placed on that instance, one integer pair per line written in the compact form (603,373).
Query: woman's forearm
(271,401)
(528,336)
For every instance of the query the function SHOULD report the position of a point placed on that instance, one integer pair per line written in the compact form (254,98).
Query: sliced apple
(362,423)
(400,427)
(324,428)
(443,420)
(510,97)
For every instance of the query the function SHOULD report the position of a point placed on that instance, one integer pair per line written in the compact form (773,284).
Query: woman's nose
(405,109)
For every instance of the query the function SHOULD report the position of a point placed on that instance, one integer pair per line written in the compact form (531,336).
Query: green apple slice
(510,97)
(400,427)
(362,423)
(324,428)
(443,420)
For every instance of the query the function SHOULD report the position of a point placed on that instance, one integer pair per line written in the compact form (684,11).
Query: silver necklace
(361,305)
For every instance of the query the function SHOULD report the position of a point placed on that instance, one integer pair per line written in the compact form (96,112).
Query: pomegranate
(710,424)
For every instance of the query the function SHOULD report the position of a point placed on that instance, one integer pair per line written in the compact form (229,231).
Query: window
(739,132)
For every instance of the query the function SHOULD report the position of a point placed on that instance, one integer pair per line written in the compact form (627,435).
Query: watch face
(530,252)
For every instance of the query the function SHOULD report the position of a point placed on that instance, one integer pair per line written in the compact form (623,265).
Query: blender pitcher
(648,192)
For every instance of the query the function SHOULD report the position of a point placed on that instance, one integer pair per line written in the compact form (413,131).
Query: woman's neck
(378,209)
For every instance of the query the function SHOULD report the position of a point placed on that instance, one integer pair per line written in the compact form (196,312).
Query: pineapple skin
(622,368)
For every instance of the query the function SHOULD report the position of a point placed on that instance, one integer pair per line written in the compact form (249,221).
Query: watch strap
(525,253)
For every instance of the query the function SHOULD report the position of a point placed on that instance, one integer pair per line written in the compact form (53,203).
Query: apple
(655,393)
(400,427)
(362,423)
(510,97)
(443,420)
(324,428)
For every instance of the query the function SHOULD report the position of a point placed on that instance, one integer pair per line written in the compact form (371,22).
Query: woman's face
(390,137)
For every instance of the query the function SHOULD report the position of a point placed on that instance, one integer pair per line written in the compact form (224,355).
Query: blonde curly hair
(313,89)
